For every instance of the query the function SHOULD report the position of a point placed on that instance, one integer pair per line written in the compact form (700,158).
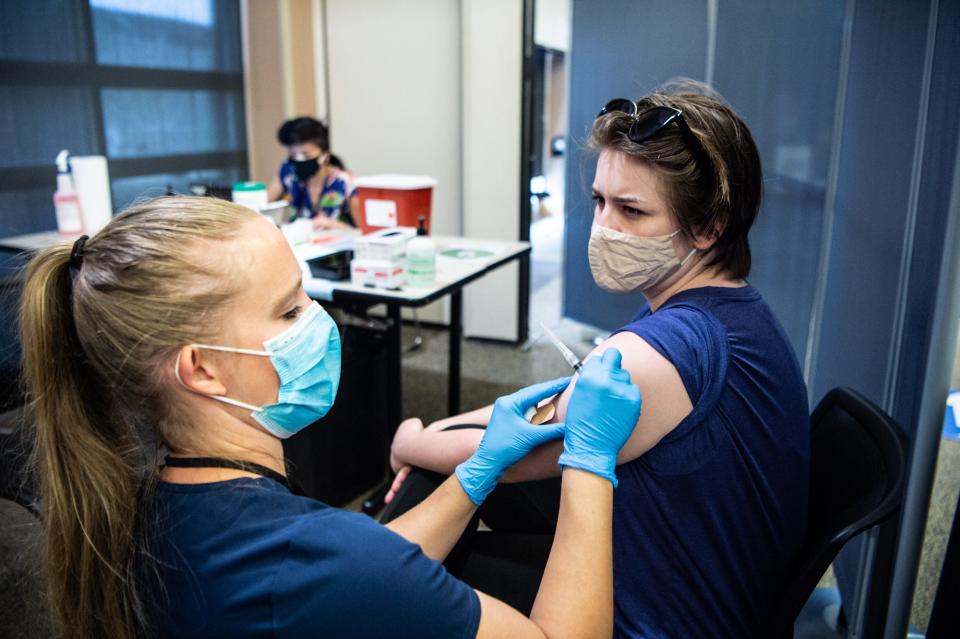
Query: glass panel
(620,49)
(149,122)
(28,210)
(788,101)
(42,31)
(36,122)
(127,190)
(201,35)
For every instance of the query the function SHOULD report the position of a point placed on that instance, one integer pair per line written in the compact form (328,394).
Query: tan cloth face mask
(624,263)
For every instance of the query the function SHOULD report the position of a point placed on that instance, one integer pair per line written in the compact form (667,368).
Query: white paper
(91,179)
(380,212)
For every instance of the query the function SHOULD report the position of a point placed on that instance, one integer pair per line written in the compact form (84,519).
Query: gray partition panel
(872,234)
(778,63)
(854,108)
(872,215)
(619,48)
(921,380)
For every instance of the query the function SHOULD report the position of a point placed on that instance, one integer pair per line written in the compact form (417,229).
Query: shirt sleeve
(690,339)
(695,342)
(349,188)
(345,575)
(284,175)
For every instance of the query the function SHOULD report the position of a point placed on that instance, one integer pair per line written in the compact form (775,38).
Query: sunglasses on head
(648,124)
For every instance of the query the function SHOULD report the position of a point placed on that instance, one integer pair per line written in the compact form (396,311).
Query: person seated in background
(711,512)
(312,179)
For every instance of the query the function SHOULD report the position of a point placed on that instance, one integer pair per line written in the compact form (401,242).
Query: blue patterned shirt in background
(334,196)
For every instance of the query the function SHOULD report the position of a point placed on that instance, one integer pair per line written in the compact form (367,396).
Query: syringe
(568,355)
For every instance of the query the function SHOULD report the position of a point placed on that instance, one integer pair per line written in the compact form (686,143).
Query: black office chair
(15,484)
(857,464)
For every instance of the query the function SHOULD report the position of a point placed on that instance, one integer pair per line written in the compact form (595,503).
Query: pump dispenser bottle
(421,258)
(65,200)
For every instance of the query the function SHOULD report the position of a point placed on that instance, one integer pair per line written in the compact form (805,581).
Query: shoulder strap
(234,464)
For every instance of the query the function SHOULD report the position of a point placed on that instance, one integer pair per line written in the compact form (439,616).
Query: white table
(34,241)
(452,276)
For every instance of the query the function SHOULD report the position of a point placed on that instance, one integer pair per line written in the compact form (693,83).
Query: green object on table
(249,186)
(466,254)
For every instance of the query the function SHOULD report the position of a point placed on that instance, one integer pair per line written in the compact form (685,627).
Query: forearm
(479,416)
(541,463)
(274,190)
(439,451)
(438,522)
(576,594)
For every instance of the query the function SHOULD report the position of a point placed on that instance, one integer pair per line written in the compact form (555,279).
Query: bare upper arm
(665,399)
(665,404)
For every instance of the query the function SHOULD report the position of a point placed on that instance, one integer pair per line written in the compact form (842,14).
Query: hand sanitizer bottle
(65,200)
(421,259)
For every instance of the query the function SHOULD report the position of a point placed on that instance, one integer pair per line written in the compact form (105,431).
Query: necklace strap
(233,464)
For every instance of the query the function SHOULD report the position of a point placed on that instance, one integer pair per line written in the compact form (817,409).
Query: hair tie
(76,255)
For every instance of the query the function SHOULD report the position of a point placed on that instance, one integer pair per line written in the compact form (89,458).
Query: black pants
(508,561)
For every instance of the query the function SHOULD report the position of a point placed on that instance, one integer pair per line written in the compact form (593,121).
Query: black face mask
(305,169)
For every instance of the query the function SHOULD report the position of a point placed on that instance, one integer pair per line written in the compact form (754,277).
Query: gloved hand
(508,439)
(601,415)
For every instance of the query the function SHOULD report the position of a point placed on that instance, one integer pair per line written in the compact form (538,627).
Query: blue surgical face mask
(307,359)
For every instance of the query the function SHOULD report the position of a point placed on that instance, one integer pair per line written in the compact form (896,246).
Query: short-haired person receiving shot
(710,513)
(184,322)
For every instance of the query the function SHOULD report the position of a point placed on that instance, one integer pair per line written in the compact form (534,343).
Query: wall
(280,75)
(299,72)
(263,86)
(598,72)
(551,24)
(394,92)
(492,57)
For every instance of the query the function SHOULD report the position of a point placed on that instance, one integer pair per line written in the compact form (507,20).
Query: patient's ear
(197,372)
(705,239)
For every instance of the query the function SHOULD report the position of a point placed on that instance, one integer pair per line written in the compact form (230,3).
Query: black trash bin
(339,457)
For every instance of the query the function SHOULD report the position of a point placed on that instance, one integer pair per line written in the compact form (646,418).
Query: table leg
(456,339)
(394,369)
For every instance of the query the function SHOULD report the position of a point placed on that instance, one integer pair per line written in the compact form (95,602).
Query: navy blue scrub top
(246,558)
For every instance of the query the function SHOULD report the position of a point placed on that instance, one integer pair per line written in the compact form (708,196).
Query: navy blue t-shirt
(246,558)
(708,522)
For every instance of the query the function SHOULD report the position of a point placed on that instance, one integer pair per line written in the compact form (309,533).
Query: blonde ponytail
(94,339)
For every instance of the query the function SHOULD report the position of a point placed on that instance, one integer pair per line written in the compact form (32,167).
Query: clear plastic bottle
(421,259)
(66,203)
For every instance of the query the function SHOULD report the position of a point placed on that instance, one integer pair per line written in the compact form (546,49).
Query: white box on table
(387,244)
(378,273)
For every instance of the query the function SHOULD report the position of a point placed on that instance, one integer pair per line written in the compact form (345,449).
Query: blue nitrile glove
(601,415)
(508,439)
